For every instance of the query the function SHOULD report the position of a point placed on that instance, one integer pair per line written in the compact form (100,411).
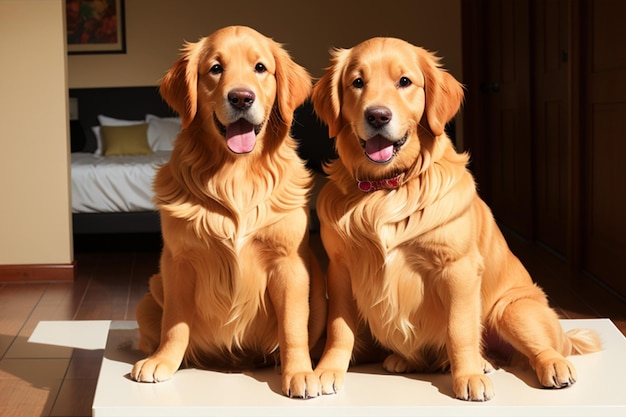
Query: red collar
(386,184)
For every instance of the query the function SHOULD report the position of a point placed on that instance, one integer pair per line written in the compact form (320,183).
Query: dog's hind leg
(533,329)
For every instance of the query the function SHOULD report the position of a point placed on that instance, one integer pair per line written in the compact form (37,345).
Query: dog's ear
(327,93)
(293,83)
(444,94)
(179,87)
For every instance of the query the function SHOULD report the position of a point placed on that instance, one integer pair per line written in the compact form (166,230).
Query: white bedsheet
(108,184)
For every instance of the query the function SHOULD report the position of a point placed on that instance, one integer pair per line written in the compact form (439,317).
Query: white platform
(368,391)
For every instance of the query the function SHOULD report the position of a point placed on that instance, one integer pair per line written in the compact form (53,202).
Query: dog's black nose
(378,116)
(241,98)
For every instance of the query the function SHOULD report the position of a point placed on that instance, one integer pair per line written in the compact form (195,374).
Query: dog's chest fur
(230,228)
(393,283)
(402,245)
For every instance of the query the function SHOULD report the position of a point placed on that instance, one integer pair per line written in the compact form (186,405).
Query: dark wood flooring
(112,276)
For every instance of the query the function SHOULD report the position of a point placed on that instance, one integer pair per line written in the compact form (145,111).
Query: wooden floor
(108,285)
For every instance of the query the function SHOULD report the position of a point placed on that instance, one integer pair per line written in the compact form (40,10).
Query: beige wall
(34,188)
(156,30)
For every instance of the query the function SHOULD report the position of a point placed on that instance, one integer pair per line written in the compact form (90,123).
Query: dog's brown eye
(358,83)
(260,67)
(404,82)
(216,69)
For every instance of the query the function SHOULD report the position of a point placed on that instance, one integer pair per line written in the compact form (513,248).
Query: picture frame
(95,27)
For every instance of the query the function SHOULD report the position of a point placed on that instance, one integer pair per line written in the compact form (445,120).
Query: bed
(112,190)
(112,180)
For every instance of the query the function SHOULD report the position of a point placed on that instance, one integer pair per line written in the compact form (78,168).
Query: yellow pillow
(125,140)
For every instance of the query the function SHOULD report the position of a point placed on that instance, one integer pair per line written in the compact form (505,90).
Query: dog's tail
(583,341)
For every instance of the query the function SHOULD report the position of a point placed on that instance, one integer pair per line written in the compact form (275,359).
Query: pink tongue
(240,136)
(379,149)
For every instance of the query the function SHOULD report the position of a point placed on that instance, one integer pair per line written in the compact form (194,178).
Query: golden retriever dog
(414,253)
(236,272)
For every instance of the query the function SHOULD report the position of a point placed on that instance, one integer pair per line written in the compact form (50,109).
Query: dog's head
(237,85)
(387,102)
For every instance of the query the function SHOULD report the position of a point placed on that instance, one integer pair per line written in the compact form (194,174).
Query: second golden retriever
(414,252)
(236,273)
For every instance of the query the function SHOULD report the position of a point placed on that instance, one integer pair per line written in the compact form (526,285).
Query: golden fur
(236,272)
(423,265)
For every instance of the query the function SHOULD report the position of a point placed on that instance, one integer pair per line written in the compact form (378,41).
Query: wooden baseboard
(37,272)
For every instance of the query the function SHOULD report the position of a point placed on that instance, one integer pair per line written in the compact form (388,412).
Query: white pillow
(110,121)
(162,131)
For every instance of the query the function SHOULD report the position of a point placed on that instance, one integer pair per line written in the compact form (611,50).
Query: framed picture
(95,26)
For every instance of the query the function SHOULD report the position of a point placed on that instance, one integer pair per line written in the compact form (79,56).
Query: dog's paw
(487,366)
(397,364)
(331,380)
(153,370)
(301,385)
(553,370)
(473,387)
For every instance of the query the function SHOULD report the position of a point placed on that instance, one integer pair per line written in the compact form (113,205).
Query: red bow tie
(387,184)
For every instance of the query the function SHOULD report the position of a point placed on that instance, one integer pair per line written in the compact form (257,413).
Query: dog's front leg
(341,330)
(289,292)
(462,284)
(179,293)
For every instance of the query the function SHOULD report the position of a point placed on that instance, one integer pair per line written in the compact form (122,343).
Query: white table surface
(368,391)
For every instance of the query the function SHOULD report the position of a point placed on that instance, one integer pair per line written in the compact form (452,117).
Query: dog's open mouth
(240,135)
(381,150)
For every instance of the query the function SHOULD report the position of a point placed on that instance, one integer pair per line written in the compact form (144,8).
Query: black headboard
(128,103)
(133,103)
